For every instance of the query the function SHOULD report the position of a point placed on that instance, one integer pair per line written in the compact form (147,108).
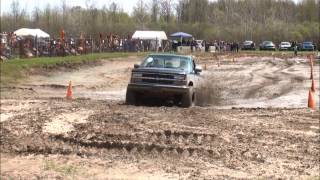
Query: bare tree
(36,17)
(64,13)
(47,18)
(140,14)
(213,19)
(15,11)
(154,11)
(113,9)
(166,10)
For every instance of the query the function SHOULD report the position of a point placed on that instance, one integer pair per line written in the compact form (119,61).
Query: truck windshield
(173,62)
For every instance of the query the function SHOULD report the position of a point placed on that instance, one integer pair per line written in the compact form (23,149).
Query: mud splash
(209,92)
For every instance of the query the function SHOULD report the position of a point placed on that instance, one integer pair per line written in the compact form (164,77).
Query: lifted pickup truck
(165,76)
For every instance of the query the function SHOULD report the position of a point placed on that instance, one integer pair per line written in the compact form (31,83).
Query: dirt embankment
(104,79)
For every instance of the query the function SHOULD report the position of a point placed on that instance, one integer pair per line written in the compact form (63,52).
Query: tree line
(229,20)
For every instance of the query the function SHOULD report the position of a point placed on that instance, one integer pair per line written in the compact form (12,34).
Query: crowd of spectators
(207,46)
(13,46)
(23,47)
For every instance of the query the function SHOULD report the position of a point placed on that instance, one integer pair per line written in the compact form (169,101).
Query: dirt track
(97,136)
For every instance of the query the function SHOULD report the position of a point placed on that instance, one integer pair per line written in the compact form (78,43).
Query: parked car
(285,46)
(166,76)
(307,46)
(267,45)
(248,45)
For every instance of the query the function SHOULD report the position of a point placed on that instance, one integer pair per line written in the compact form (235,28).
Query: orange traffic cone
(69,91)
(311,100)
(313,87)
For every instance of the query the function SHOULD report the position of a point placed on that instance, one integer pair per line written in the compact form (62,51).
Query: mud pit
(268,133)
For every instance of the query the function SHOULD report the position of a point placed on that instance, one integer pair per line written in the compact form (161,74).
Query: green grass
(65,170)
(13,71)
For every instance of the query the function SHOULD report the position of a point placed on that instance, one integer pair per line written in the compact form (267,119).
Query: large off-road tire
(131,98)
(189,98)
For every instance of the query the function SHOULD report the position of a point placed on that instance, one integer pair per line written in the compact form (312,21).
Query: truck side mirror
(136,66)
(198,69)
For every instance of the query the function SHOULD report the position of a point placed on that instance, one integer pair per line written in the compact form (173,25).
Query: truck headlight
(180,77)
(136,75)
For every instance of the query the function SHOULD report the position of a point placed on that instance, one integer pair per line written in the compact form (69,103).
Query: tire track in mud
(274,78)
(131,146)
(125,134)
(166,137)
(86,144)
(267,79)
(65,146)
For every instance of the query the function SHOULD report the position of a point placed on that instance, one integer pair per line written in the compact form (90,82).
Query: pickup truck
(164,76)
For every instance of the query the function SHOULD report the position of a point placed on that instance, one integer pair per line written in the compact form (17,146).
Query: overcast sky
(29,5)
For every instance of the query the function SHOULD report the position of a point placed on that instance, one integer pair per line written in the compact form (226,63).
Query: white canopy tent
(31,32)
(155,37)
(150,35)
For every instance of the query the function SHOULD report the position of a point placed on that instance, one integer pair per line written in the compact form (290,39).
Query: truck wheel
(130,98)
(188,99)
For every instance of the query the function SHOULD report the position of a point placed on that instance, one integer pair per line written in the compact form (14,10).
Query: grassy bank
(12,71)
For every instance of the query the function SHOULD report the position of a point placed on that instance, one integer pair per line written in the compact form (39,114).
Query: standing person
(21,48)
(192,45)
(215,44)
(237,46)
(295,48)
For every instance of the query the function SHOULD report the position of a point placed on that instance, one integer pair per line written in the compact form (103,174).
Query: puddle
(63,123)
